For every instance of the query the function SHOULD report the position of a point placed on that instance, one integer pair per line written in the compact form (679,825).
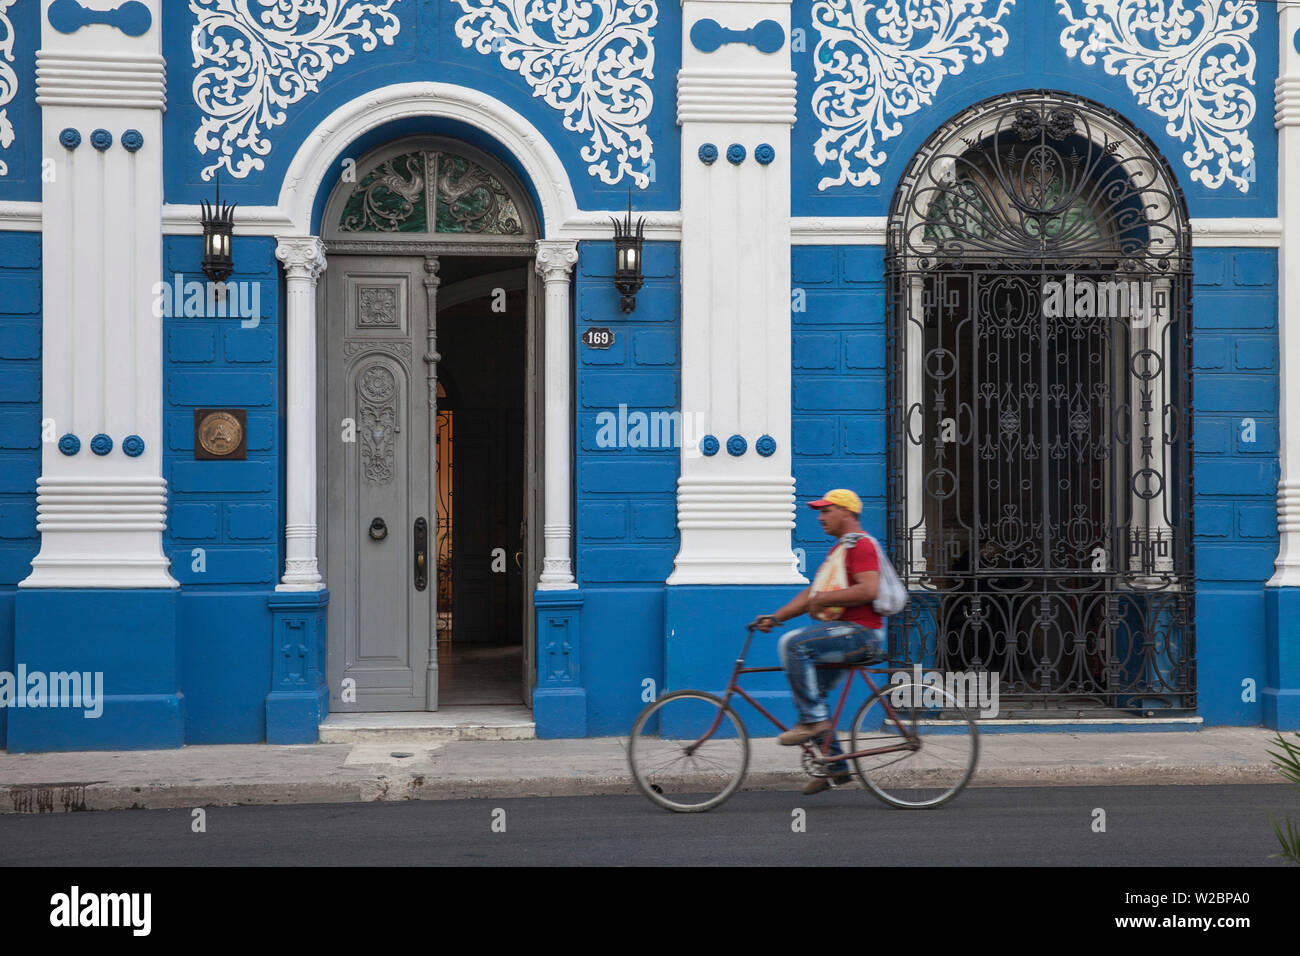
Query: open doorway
(430,429)
(481,530)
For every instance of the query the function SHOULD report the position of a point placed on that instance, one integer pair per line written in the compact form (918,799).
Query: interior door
(481,519)
(378,483)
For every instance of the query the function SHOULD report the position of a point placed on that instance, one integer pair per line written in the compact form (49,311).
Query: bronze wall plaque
(220,434)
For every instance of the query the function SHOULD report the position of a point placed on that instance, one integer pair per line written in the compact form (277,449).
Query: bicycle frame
(733,687)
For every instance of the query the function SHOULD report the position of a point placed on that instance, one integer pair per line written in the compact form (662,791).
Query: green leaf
(1288,839)
(1288,762)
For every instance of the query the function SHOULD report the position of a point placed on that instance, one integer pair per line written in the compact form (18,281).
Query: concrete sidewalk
(370,771)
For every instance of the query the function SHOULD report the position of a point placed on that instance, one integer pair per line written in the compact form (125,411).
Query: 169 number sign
(598,338)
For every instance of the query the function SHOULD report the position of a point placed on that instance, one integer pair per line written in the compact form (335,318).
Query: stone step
(450,723)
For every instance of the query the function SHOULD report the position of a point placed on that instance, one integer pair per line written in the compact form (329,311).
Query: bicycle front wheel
(940,739)
(688,751)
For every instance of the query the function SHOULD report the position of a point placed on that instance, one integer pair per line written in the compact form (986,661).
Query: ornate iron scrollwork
(1039,271)
(397,195)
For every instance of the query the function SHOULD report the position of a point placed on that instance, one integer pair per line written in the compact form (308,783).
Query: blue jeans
(834,642)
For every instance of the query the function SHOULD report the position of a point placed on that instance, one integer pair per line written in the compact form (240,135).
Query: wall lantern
(218,224)
(627,252)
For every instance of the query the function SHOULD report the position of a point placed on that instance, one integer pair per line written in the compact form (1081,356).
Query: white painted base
(100,532)
(735,531)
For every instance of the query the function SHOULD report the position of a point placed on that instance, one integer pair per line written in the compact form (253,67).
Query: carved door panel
(378,483)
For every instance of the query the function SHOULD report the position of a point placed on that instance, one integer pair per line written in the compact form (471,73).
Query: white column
(102,497)
(735,512)
(1287,120)
(304,261)
(555,261)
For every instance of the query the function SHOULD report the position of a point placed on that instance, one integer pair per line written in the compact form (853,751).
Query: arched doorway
(1039,270)
(429,343)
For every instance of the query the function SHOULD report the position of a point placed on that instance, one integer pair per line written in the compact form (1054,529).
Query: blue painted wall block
(223,476)
(604,520)
(20,250)
(657,348)
(19,382)
(1255,267)
(127,636)
(250,522)
(20,430)
(198,522)
(1280,695)
(654,520)
(601,389)
(814,437)
(191,345)
(20,339)
(225,641)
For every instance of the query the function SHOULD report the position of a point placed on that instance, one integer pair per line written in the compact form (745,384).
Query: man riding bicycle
(857,635)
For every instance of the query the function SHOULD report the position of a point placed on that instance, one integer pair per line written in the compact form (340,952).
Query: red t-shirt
(861,558)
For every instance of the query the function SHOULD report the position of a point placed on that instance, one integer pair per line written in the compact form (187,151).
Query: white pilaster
(735,513)
(101,507)
(304,261)
(555,261)
(1287,121)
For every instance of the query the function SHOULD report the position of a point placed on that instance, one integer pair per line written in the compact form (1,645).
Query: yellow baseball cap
(842,497)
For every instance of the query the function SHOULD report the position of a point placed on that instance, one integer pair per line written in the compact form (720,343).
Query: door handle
(421,548)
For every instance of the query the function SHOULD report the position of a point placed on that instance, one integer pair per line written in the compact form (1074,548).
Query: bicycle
(667,749)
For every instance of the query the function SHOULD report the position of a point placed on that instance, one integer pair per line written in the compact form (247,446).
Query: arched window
(428,189)
(1039,332)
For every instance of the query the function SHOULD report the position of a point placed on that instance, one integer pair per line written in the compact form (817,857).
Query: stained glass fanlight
(431,191)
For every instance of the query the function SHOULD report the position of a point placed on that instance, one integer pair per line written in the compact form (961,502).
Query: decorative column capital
(303,258)
(556,259)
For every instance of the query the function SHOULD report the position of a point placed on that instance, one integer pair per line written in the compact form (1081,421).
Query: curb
(74,796)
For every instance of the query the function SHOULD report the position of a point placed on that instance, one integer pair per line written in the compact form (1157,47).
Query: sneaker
(818,784)
(802,732)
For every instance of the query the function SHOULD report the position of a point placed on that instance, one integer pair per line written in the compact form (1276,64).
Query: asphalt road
(1144,826)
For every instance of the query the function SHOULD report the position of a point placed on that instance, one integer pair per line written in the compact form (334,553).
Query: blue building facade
(212,500)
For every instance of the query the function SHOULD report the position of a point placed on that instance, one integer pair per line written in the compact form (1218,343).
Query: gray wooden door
(378,484)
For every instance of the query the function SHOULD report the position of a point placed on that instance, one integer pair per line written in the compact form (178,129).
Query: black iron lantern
(627,253)
(218,226)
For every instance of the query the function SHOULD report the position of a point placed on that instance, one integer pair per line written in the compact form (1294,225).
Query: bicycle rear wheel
(942,739)
(688,751)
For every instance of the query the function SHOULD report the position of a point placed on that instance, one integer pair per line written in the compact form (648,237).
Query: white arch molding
(311,164)
(302,254)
